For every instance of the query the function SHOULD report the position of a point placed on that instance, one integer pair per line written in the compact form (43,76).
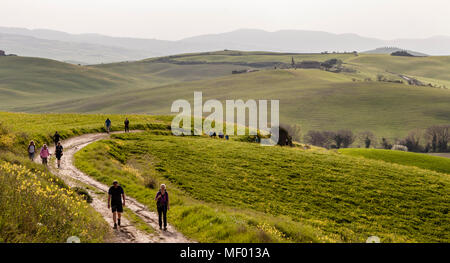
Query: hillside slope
(226,193)
(313,98)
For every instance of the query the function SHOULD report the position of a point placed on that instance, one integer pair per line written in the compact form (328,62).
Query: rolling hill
(96,48)
(312,98)
(390,50)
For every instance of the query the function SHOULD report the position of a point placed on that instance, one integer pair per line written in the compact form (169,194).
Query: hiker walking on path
(59,153)
(56,138)
(108,125)
(127,125)
(31,150)
(115,196)
(162,203)
(45,154)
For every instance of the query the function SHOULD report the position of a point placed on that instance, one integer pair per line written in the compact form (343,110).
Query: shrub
(402,53)
(385,143)
(83,193)
(6,138)
(150,182)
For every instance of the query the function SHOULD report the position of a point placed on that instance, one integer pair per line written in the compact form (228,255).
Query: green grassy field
(314,99)
(434,163)
(228,191)
(23,127)
(233,191)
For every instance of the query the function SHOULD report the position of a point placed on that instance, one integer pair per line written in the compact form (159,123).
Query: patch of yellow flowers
(273,231)
(31,184)
(36,204)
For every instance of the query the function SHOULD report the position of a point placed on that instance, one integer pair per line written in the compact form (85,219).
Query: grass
(434,163)
(38,208)
(229,191)
(24,127)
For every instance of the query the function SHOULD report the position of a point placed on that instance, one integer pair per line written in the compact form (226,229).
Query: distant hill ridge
(96,48)
(390,50)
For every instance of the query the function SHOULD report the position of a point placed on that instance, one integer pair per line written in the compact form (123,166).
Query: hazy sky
(176,19)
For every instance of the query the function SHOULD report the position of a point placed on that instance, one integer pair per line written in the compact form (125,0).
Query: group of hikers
(44,153)
(108,124)
(116,194)
(221,135)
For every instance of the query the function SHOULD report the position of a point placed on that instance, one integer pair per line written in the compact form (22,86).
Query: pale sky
(177,19)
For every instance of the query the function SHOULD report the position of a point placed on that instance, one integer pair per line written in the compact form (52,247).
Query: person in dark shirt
(108,125)
(162,204)
(115,197)
(56,138)
(59,153)
(127,125)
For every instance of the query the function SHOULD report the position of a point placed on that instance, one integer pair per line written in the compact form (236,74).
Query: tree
(318,138)
(412,141)
(331,62)
(284,137)
(385,143)
(344,138)
(293,130)
(402,53)
(439,135)
(367,137)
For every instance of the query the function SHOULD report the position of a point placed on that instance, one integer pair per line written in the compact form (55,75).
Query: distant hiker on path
(31,150)
(59,153)
(44,154)
(162,203)
(108,125)
(115,196)
(127,125)
(56,138)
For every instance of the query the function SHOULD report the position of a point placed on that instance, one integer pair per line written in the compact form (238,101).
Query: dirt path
(128,233)
(446,155)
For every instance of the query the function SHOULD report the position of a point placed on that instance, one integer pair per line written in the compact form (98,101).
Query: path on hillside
(128,233)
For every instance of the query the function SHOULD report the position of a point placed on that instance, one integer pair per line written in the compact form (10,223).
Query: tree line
(433,139)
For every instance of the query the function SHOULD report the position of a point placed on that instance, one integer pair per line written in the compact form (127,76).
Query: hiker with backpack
(45,154)
(162,204)
(31,150)
(59,153)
